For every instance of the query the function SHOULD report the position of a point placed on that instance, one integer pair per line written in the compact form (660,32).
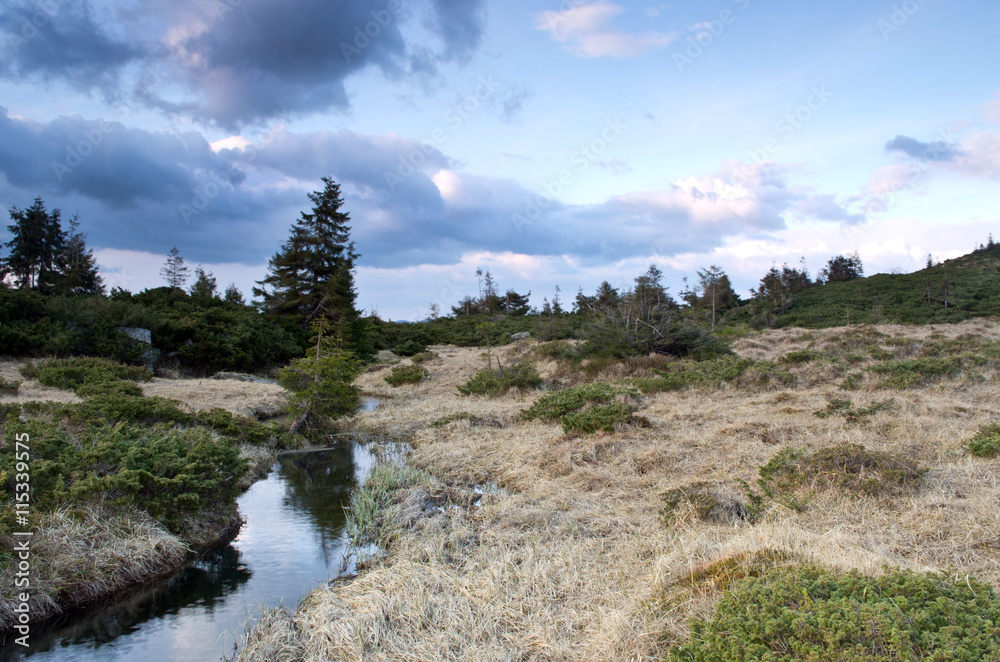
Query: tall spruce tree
(37,248)
(80,271)
(174,271)
(311,279)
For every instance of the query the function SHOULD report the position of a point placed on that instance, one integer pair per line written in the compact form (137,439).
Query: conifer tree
(174,271)
(37,247)
(80,271)
(204,284)
(311,278)
(233,295)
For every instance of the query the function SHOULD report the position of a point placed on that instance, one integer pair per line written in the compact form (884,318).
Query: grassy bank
(812,459)
(126,484)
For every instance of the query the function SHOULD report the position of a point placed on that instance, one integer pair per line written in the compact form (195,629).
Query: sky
(551,143)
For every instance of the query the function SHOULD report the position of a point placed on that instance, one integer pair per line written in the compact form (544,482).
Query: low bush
(849,467)
(805,612)
(109,389)
(599,417)
(406,374)
(800,356)
(110,408)
(171,473)
(409,348)
(8,387)
(423,357)
(553,406)
(915,372)
(493,382)
(742,373)
(852,414)
(986,442)
(242,430)
(71,373)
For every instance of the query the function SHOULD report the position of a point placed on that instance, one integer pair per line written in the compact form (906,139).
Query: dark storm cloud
(409,203)
(234,62)
(60,39)
(102,159)
(264,59)
(934,151)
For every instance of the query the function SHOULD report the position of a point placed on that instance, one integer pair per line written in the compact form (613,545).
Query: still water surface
(292,541)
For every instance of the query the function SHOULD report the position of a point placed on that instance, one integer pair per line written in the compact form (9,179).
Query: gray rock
(139,335)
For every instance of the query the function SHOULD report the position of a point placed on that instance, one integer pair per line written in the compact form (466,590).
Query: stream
(292,541)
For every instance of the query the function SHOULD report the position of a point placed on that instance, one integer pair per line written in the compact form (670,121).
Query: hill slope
(955,290)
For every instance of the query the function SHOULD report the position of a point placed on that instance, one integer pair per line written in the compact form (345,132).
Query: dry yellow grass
(30,390)
(91,553)
(569,560)
(253,399)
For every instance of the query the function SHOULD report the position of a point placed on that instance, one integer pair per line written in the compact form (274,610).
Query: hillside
(953,291)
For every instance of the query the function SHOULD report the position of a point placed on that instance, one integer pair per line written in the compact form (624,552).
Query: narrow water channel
(292,541)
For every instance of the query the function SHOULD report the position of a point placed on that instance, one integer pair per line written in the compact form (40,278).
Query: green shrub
(553,406)
(409,348)
(850,467)
(852,414)
(239,429)
(494,382)
(8,387)
(171,473)
(406,374)
(805,613)
(322,386)
(915,372)
(599,417)
(109,389)
(557,350)
(111,408)
(986,442)
(800,356)
(423,357)
(71,373)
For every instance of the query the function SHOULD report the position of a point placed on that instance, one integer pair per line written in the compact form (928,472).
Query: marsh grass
(569,558)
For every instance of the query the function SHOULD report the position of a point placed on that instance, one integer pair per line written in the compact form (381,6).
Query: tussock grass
(569,558)
(90,552)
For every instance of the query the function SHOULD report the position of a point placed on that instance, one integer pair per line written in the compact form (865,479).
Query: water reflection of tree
(319,486)
(216,575)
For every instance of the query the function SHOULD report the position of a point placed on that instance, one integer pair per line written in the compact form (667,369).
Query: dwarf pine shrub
(805,612)
(553,406)
(406,374)
(72,373)
(493,382)
(986,442)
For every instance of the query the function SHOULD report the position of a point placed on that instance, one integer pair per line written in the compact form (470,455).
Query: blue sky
(551,143)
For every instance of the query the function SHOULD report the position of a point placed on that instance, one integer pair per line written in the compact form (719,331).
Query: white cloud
(993,110)
(585,31)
